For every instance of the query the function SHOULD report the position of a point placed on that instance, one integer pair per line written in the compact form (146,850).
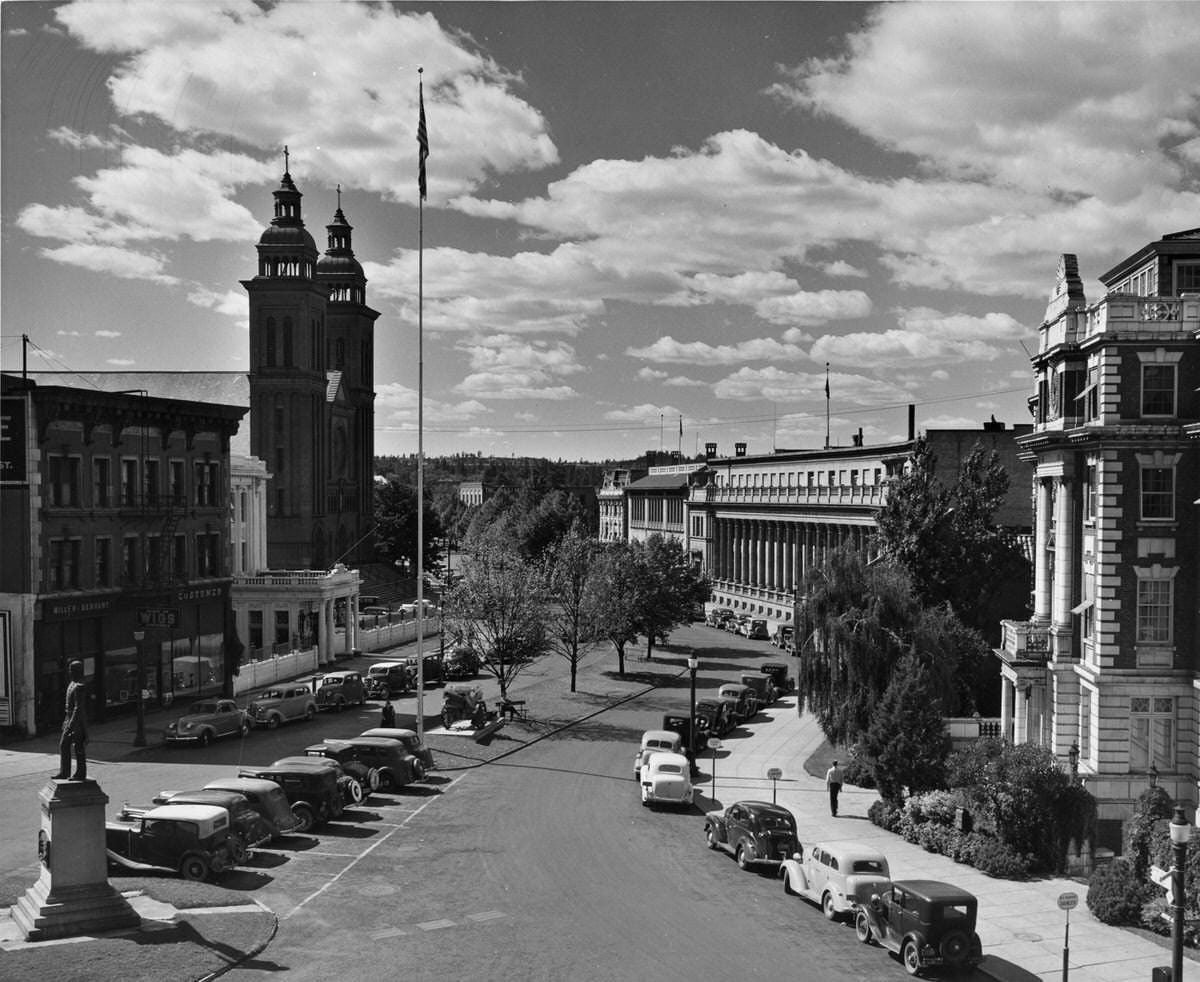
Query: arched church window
(287,341)
(269,357)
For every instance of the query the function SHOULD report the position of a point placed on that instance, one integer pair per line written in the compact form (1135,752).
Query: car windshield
(869,866)
(203,707)
(325,682)
(271,694)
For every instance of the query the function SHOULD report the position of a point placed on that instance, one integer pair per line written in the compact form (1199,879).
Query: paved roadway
(541,866)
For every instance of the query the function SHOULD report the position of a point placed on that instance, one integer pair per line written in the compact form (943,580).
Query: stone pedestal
(72,895)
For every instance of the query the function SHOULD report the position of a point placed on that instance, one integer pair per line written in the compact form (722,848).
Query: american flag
(422,144)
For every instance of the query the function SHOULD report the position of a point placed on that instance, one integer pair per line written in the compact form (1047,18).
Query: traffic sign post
(773,775)
(1066,901)
(714,745)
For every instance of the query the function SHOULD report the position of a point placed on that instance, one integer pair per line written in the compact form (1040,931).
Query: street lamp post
(1181,832)
(693,663)
(139,736)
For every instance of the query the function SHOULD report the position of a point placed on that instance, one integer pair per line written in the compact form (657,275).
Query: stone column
(1064,548)
(1041,579)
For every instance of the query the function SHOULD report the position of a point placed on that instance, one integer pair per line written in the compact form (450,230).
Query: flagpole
(422,152)
(826,405)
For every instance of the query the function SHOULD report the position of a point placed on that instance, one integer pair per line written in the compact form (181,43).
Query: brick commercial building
(1106,668)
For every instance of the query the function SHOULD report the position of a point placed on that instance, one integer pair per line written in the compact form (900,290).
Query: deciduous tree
(570,624)
(669,587)
(612,598)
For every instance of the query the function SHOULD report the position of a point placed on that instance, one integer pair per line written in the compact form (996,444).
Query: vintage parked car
(690,731)
(666,779)
(379,763)
(718,616)
(753,832)
(925,922)
(734,624)
(339,690)
(655,740)
(281,705)
(763,686)
(208,719)
(745,701)
(192,840)
(779,676)
(393,677)
(755,629)
(836,876)
(432,671)
(247,828)
(781,637)
(412,742)
(351,788)
(715,716)
(266,797)
(312,792)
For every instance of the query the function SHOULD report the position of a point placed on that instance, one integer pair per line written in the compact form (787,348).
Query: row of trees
(575,593)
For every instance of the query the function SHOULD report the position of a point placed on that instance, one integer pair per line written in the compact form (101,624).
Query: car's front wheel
(787,882)
(194,868)
(205,738)
(742,856)
(238,850)
(711,835)
(310,713)
(911,958)
(418,771)
(354,790)
(828,907)
(245,728)
(273,723)
(862,928)
(387,781)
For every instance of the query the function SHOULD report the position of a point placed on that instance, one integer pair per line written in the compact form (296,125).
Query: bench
(513,709)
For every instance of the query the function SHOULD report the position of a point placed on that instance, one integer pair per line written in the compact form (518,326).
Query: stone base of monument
(72,896)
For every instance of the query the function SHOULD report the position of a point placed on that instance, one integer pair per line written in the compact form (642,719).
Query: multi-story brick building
(1107,667)
(115,523)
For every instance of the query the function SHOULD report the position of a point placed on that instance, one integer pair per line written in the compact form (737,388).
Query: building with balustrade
(759,522)
(1106,670)
(610,499)
(657,504)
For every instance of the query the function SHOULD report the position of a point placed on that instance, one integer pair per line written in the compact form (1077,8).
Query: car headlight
(187,726)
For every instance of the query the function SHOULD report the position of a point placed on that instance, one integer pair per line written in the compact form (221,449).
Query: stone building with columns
(1106,669)
(760,521)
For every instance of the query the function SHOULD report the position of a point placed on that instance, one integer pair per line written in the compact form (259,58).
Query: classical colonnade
(774,554)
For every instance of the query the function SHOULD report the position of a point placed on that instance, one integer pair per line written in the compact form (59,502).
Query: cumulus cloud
(231,303)
(650,374)
(120,362)
(645,413)
(839,267)
(776,385)
(396,403)
(504,367)
(668,350)
(108,334)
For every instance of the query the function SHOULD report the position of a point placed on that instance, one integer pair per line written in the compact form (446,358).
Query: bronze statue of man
(74,729)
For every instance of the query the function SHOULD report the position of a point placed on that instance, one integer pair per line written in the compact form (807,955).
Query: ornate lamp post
(693,663)
(1181,832)
(139,736)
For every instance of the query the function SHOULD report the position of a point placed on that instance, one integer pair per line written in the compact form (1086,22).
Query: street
(542,865)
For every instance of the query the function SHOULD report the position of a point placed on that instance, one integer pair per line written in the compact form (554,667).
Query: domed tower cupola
(338,267)
(285,249)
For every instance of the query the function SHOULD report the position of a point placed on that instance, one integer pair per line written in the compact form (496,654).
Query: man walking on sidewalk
(833,781)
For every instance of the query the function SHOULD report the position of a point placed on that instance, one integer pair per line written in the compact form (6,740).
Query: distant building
(1107,665)
(115,522)
(610,500)
(760,521)
(474,493)
(658,502)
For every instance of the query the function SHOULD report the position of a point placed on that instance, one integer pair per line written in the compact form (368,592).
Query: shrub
(933,806)
(885,815)
(996,858)
(1116,896)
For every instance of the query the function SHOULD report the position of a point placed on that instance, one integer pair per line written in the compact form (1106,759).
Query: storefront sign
(158,617)
(200,593)
(12,439)
(75,607)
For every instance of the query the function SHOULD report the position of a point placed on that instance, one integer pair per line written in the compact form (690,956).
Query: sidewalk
(1020,924)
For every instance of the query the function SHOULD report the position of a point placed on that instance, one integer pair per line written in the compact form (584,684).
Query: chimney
(710,451)
(858,438)
(912,421)
(739,449)
(993,425)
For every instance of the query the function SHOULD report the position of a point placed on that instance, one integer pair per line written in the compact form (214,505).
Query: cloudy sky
(638,212)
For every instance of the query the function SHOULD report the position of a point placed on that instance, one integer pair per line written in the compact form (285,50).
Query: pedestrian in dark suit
(74,729)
